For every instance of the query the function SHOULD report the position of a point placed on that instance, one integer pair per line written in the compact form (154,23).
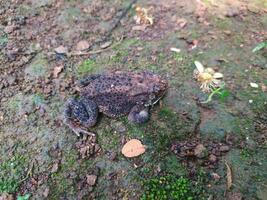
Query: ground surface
(44,159)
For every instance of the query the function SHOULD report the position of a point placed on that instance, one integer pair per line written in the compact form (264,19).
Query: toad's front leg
(80,114)
(139,114)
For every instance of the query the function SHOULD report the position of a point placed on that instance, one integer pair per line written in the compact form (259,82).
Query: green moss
(3,39)
(167,187)
(37,68)
(170,164)
(12,173)
(223,24)
(238,39)
(119,56)
(166,113)
(86,67)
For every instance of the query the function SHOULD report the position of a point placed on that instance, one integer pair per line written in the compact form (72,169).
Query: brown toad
(114,94)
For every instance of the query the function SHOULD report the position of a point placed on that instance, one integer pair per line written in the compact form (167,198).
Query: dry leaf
(61,50)
(228,176)
(133,148)
(57,70)
(175,50)
(82,45)
(142,16)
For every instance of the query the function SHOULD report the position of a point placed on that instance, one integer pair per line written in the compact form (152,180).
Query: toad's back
(115,94)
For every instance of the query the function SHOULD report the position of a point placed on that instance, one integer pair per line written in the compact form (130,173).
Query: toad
(114,94)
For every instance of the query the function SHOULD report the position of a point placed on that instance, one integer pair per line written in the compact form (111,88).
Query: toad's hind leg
(80,114)
(138,114)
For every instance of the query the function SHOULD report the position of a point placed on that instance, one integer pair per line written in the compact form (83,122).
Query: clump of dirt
(201,153)
(88,147)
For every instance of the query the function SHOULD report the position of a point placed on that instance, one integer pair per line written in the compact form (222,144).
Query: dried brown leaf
(82,45)
(228,176)
(133,148)
(57,70)
(142,16)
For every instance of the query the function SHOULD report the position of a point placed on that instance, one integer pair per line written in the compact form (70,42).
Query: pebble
(200,151)
(212,158)
(224,148)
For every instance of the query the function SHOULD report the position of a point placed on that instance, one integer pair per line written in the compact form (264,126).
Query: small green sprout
(221,91)
(260,46)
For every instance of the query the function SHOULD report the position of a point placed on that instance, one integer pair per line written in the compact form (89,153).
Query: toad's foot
(80,114)
(138,114)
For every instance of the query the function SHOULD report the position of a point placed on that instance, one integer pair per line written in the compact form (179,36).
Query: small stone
(106,44)
(113,156)
(54,168)
(215,176)
(11,80)
(227,32)
(91,179)
(46,192)
(139,28)
(82,45)
(233,12)
(212,158)
(9,29)
(6,196)
(200,151)
(224,148)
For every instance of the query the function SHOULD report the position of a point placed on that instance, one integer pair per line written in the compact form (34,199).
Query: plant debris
(207,77)
(142,16)
(228,176)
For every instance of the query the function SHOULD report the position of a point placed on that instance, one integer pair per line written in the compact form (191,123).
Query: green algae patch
(86,67)
(37,68)
(12,173)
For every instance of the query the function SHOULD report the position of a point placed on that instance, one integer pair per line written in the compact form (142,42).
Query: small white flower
(254,85)
(208,78)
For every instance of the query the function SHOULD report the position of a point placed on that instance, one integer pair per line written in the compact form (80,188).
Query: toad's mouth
(153,102)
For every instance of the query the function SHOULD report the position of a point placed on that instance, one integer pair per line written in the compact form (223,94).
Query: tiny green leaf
(260,46)
(224,94)
(24,197)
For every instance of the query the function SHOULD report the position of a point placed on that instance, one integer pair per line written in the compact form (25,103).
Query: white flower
(208,78)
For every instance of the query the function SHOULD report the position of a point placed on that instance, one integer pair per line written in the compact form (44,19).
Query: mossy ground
(32,119)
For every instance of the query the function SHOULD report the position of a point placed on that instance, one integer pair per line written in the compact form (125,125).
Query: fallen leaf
(57,70)
(82,45)
(175,50)
(254,85)
(133,148)
(91,179)
(228,176)
(181,22)
(61,50)
(142,16)
(54,168)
